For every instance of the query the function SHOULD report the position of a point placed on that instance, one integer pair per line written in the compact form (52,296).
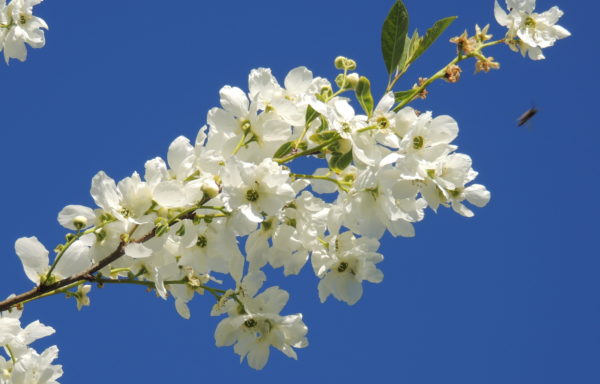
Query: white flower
(20,27)
(127,201)
(305,221)
(28,366)
(256,190)
(528,31)
(18,338)
(257,326)
(446,184)
(210,248)
(430,138)
(344,264)
(239,127)
(380,199)
(257,243)
(77,217)
(289,102)
(34,368)
(34,257)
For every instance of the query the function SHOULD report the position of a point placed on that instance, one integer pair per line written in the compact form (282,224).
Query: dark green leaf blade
(344,161)
(393,36)
(431,36)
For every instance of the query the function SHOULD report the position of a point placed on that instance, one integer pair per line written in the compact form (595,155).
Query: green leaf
(334,159)
(393,36)
(404,95)
(323,136)
(340,161)
(431,36)
(364,96)
(344,161)
(409,49)
(285,149)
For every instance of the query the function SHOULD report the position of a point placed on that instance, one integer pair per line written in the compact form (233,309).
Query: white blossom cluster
(530,32)
(18,26)
(180,224)
(232,202)
(23,365)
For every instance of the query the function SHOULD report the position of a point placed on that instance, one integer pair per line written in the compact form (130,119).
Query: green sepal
(324,124)
(311,115)
(364,96)
(285,149)
(393,36)
(181,230)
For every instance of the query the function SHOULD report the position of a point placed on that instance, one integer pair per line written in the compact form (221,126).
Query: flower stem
(316,177)
(76,237)
(308,151)
(440,74)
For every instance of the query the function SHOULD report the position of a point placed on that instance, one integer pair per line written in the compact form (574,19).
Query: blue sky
(509,296)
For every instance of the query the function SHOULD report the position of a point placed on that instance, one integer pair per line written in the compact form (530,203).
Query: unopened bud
(345,63)
(339,62)
(80,222)
(352,80)
(162,212)
(340,80)
(210,189)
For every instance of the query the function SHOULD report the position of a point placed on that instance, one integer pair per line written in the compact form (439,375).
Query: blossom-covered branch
(178,229)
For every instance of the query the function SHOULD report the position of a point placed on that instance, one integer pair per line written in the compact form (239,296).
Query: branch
(87,274)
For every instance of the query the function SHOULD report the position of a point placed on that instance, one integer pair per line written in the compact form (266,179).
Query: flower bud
(210,189)
(350,65)
(339,62)
(347,81)
(80,222)
(162,212)
(352,80)
(345,63)
(340,80)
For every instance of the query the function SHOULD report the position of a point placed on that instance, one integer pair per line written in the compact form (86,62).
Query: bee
(527,116)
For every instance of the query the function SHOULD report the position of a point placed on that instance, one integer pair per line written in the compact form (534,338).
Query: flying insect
(525,117)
